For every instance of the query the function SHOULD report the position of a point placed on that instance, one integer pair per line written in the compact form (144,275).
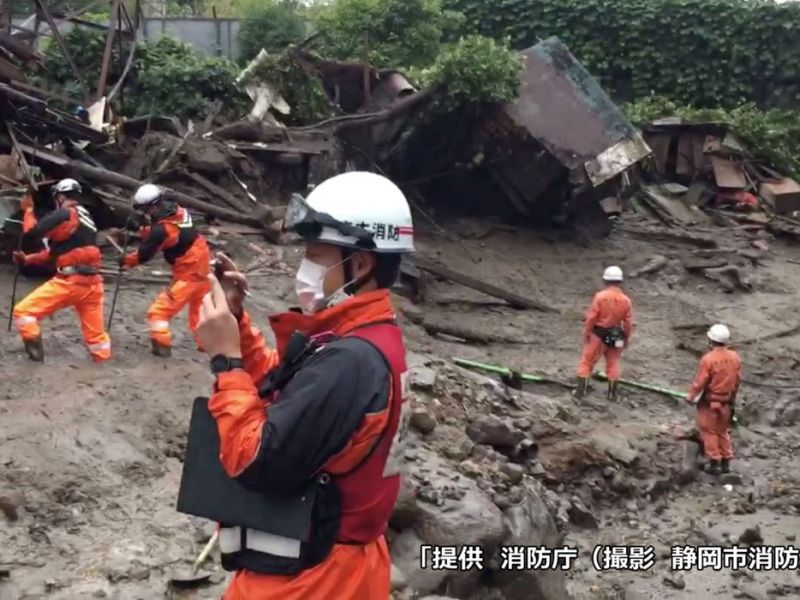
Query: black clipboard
(207,491)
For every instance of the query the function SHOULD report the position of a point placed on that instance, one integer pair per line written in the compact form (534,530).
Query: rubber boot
(612,391)
(35,349)
(725,467)
(583,386)
(713,467)
(160,349)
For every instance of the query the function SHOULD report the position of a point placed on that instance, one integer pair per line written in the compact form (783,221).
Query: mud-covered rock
(531,524)
(785,412)
(513,472)
(580,515)
(751,536)
(495,431)
(10,503)
(423,420)
(406,550)
(422,378)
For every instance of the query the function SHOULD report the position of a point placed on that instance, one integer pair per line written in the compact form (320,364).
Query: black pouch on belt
(613,337)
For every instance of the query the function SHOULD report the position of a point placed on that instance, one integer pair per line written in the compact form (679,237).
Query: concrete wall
(206,35)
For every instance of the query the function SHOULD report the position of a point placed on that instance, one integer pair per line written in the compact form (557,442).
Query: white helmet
(355,210)
(719,333)
(65,186)
(612,273)
(147,194)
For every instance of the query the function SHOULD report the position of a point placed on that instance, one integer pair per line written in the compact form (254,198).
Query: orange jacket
(241,416)
(72,236)
(610,308)
(183,247)
(718,374)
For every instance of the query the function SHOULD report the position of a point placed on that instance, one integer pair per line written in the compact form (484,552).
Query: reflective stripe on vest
(230,540)
(85,218)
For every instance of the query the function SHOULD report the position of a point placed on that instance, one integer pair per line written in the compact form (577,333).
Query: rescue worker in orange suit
(185,249)
(72,245)
(714,391)
(331,411)
(607,330)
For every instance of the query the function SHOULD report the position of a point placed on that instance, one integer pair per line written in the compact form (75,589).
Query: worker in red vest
(326,406)
(72,246)
(172,232)
(714,390)
(606,331)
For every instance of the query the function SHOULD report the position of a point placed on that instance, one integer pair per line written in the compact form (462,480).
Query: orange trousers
(714,426)
(350,572)
(592,349)
(85,294)
(170,302)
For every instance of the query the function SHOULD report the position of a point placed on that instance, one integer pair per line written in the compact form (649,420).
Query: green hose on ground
(471,364)
(643,386)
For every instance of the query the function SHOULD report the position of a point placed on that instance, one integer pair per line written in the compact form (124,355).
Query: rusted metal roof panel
(563,107)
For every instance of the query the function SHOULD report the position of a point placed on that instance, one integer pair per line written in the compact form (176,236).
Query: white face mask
(309,287)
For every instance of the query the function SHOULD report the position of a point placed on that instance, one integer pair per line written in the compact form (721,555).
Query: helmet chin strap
(352,283)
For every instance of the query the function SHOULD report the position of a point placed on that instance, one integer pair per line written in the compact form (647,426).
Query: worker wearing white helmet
(714,391)
(172,232)
(336,417)
(607,330)
(72,246)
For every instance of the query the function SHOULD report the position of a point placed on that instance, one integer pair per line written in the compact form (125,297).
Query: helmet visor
(307,222)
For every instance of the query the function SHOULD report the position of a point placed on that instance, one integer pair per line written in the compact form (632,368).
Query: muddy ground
(91,454)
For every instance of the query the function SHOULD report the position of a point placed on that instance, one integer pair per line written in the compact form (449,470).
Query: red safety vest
(370,490)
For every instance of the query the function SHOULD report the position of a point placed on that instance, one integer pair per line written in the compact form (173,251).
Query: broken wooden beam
(215,190)
(515,300)
(101,175)
(651,234)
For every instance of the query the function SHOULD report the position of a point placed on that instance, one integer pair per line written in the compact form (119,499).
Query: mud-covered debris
(580,515)
(675,581)
(495,431)
(422,420)
(657,486)
(751,536)
(10,504)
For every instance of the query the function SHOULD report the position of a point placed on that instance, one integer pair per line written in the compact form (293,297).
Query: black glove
(132,224)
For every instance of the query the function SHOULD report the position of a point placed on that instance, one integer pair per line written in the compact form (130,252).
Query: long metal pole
(14,286)
(119,279)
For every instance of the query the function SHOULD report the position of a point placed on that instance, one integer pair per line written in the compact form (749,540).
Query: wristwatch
(221,364)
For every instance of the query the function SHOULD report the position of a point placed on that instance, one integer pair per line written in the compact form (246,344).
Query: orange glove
(129,261)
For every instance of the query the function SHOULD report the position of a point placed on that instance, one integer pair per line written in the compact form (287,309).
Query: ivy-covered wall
(700,52)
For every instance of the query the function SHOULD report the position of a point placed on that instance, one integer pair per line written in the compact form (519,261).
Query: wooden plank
(513,299)
(728,174)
